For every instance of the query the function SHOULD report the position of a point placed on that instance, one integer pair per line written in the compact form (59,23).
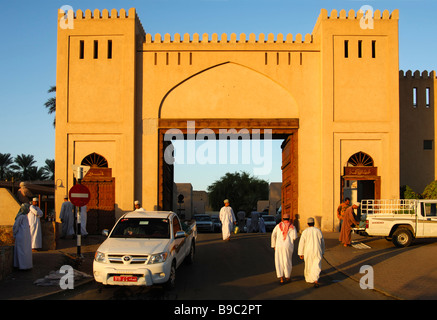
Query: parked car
(217,223)
(270,222)
(204,222)
(140,250)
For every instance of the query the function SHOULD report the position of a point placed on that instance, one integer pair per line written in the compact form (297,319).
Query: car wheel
(171,282)
(402,237)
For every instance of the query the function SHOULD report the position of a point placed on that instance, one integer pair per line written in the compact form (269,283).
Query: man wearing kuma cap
(227,219)
(311,249)
(138,207)
(34,216)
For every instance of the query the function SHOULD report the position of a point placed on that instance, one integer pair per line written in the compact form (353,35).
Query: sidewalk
(19,285)
(400,273)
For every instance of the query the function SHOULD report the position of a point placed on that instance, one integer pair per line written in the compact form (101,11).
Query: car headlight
(100,256)
(157,258)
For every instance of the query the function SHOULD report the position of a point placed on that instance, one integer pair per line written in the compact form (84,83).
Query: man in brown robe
(349,220)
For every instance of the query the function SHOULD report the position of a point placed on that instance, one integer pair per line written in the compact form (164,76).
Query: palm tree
(23,164)
(49,169)
(50,104)
(5,161)
(36,174)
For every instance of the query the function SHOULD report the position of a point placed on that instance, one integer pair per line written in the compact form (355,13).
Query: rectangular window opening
(414,97)
(427,144)
(81,49)
(96,49)
(360,48)
(427,97)
(109,49)
(373,49)
(346,48)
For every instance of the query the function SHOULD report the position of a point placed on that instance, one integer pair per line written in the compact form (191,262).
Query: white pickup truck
(145,248)
(399,220)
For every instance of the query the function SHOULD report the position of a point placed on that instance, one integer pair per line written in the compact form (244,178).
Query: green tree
(23,165)
(242,190)
(5,162)
(35,174)
(408,193)
(430,191)
(50,104)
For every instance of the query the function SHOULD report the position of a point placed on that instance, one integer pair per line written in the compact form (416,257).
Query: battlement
(417,74)
(105,14)
(356,15)
(224,38)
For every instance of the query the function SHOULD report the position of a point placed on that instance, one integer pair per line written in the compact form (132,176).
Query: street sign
(79,195)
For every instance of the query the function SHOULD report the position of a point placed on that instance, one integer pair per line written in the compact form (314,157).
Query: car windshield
(202,218)
(156,228)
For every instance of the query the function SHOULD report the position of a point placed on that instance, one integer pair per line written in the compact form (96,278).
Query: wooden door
(289,190)
(101,207)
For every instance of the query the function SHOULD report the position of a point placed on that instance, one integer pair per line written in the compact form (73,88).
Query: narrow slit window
(265,59)
(81,49)
(373,49)
(346,48)
(414,97)
(289,58)
(277,58)
(109,49)
(428,144)
(301,58)
(427,97)
(96,49)
(360,48)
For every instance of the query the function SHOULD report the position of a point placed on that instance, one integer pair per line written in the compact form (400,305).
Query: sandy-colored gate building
(332,96)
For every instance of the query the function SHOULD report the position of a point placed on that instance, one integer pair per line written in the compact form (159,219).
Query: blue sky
(28,54)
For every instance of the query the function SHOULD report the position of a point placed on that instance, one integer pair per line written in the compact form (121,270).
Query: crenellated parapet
(357,15)
(417,74)
(225,38)
(105,14)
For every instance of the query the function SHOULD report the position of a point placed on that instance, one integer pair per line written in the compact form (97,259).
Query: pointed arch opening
(360,180)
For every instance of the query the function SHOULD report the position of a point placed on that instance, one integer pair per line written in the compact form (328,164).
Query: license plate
(125,278)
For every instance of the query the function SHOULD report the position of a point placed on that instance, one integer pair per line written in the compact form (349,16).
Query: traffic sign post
(79,196)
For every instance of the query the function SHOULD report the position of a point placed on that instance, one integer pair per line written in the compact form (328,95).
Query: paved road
(242,269)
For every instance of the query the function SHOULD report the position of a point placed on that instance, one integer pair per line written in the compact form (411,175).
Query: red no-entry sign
(79,195)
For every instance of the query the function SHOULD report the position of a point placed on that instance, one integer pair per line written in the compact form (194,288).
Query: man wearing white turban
(311,249)
(227,219)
